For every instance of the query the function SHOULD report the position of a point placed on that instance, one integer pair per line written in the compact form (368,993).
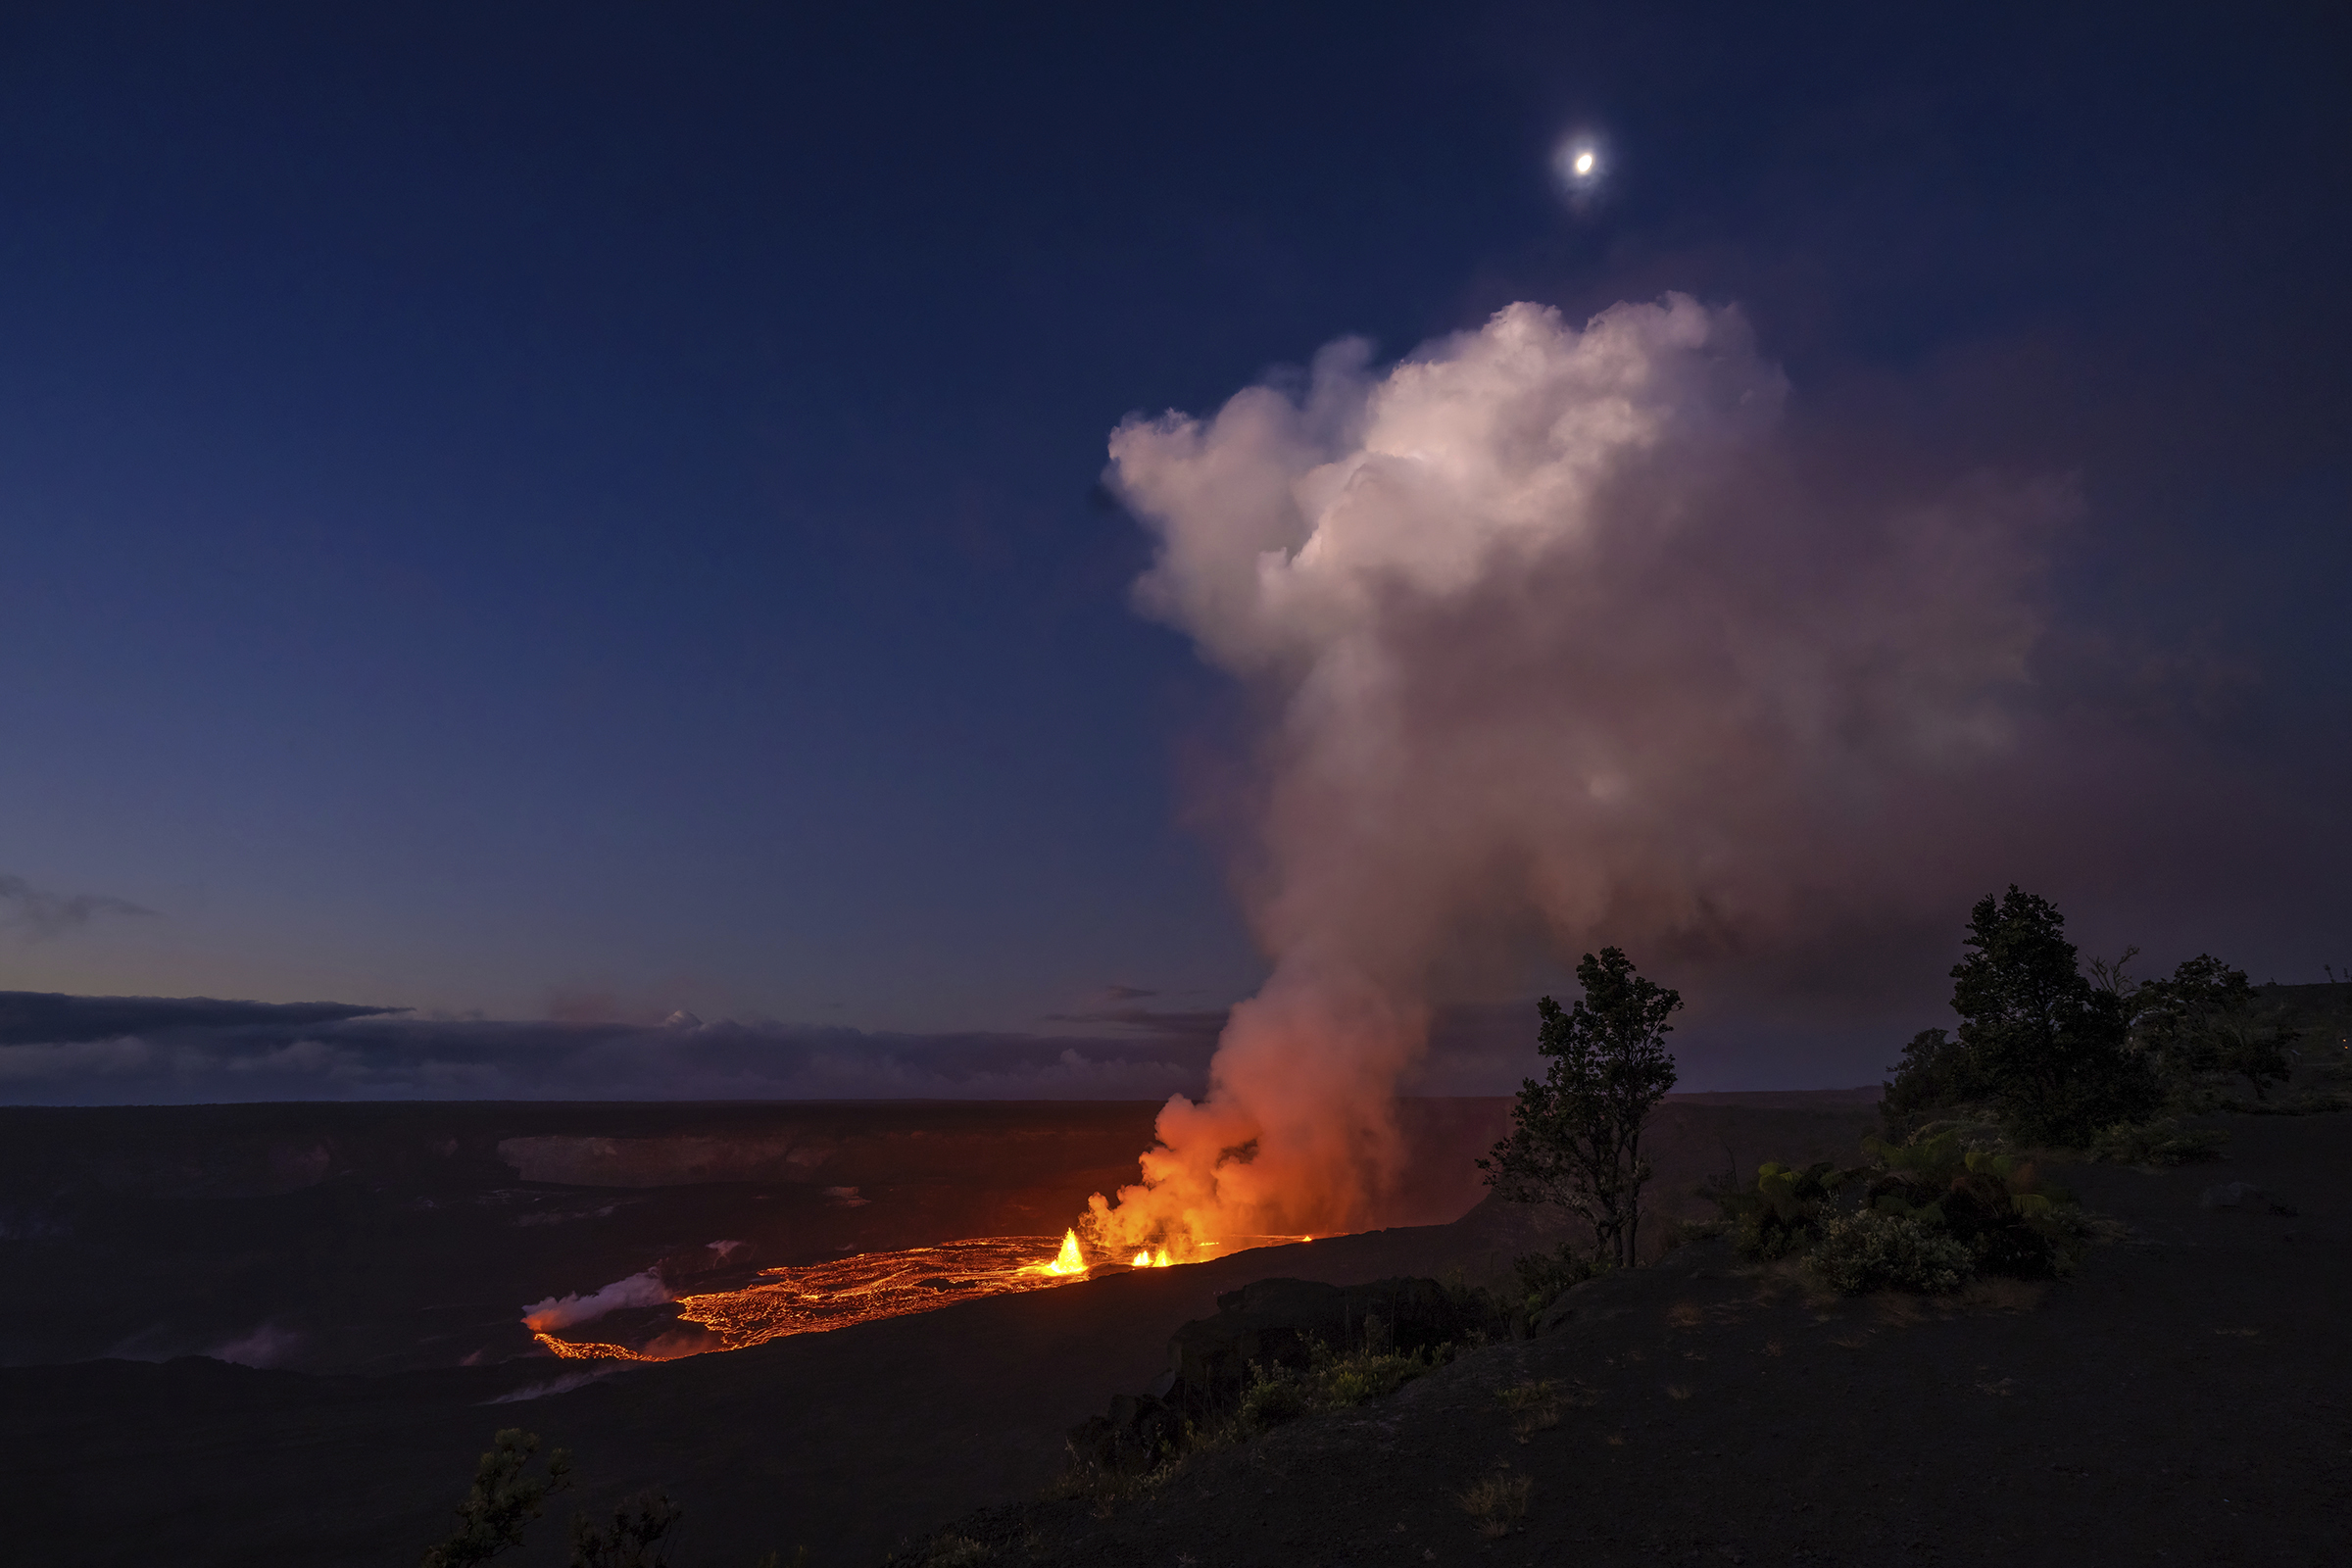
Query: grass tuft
(1534,1406)
(1496,1505)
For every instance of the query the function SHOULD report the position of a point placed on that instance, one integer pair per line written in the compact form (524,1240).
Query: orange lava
(817,1297)
(584,1351)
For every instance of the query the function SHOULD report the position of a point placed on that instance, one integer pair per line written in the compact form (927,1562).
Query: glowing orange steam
(1298,1135)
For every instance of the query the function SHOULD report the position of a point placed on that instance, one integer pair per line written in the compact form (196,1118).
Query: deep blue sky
(588,509)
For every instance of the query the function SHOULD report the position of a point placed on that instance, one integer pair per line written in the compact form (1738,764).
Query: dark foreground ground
(427,1228)
(2186,1398)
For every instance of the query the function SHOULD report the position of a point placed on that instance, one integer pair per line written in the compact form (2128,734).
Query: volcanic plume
(1551,641)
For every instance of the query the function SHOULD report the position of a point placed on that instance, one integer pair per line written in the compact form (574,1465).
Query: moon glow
(1576,163)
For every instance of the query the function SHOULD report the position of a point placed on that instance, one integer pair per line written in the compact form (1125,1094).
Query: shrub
(1544,1277)
(1873,1250)
(1923,1216)
(1274,1398)
(1370,1371)
(2161,1142)
(1358,1378)
(1931,1158)
(1993,1203)
(2308,1102)
(504,1498)
(632,1539)
(1333,1380)
(1473,1309)
(1782,1212)
(2001,1228)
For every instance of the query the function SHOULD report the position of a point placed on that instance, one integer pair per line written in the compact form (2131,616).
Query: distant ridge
(1783,1099)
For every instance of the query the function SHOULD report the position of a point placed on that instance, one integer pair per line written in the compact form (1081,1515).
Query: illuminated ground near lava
(817,1297)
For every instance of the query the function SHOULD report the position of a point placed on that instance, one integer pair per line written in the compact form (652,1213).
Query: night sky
(547,516)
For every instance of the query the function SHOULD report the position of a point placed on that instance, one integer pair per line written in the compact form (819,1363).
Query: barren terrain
(2186,1396)
(154,1234)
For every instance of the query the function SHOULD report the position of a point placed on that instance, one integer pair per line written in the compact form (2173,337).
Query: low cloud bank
(130,1050)
(46,1017)
(63,1049)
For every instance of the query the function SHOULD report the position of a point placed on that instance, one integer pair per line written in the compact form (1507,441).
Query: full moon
(1584,163)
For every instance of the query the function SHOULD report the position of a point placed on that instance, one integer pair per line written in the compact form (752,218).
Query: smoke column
(1553,644)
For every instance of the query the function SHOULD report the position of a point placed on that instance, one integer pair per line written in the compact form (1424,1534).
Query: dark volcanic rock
(2245,1196)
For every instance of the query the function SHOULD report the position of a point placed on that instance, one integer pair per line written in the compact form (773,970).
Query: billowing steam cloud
(1553,644)
(557,1312)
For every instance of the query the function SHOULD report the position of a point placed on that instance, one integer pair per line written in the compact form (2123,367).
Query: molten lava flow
(586,1350)
(817,1297)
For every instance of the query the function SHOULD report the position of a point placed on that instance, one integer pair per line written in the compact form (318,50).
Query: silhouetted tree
(2048,1046)
(505,1497)
(2204,1019)
(632,1539)
(1935,1074)
(1576,1137)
